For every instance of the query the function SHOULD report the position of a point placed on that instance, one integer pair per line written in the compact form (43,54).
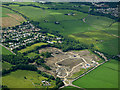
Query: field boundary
(7,49)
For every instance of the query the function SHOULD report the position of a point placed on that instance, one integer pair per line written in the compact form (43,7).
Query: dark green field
(105,76)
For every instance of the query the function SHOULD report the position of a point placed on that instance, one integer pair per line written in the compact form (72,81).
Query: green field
(5,11)
(32,54)
(70,87)
(73,24)
(110,46)
(105,40)
(5,51)
(16,80)
(32,47)
(6,65)
(105,76)
(94,30)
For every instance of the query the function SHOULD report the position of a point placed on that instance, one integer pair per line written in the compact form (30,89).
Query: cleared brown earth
(67,63)
(17,17)
(11,21)
(70,62)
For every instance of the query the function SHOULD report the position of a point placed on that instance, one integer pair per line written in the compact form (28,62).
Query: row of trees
(26,67)
(21,67)
(16,59)
(116,57)
(29,44)
(71,44)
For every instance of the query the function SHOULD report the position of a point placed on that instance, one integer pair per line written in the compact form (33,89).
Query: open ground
(66,64)
(25,79)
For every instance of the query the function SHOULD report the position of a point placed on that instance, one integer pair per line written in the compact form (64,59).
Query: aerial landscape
(59,45)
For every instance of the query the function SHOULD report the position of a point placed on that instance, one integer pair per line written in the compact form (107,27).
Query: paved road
(8,49)
(70,82)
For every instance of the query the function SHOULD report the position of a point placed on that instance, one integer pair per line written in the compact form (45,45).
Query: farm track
(74,66)
(70,81)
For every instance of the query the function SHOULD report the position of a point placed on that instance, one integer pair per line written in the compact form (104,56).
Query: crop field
(105,76)
(102,40)
(5,51)
(13,18)
(17,80)
(113,29)
(98,22)
(32,47)
(110,46)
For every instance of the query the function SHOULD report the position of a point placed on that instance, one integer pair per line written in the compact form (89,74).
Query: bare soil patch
(11,21)
(67,63)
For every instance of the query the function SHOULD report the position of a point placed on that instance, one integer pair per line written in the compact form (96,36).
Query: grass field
(5,51)
(98,22)
(70,87)
(6,65)
(16,80)
(56,15)
(32,54)
(10,18)
(32,47)
(105,76)
(110,46)
(105,40)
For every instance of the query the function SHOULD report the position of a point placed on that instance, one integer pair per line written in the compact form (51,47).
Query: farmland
(89,29)
(13,18)
(16,80)
(104,40)
(105,76)
(32,47)
(55,15)
(5,51)
(69,35)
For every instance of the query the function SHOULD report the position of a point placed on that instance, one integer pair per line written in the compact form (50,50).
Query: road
(70,81)
(8,49)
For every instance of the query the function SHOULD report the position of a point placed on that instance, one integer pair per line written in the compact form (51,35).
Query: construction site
(66,64)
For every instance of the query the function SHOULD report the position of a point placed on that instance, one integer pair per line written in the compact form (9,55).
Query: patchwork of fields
(89,29)
(104,76)
(10,18)
(100,31)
